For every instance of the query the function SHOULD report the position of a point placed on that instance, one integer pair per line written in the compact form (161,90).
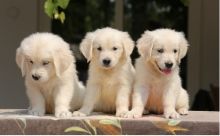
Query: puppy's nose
(106,62)
(168,64)
(36,77)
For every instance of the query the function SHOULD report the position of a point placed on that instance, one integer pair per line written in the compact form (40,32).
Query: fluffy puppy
(157,83)
(51,82)
(110,73)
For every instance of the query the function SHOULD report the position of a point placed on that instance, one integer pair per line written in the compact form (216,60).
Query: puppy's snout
(106,62)
(36,77)
(168,64)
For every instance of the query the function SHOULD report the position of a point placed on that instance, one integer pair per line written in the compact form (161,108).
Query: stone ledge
(197,122)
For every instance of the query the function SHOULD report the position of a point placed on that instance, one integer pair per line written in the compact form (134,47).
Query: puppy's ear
(128,44)
(183,47)
(20,60)
(62,59)
(86,45)
(145,44)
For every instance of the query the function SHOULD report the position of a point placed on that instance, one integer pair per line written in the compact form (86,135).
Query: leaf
(63,3)
(23,120)
(49,8)
(115,123)
(91,126)
(173,122)
(76,129)
(62,17)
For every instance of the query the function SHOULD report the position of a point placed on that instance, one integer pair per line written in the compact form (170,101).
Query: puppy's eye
(175,50)
(99,48)
(114,48)
(160,50)
(46,63)
(31,62)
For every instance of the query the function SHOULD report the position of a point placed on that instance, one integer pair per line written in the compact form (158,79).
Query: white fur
(108,87)
(155,89)
(58,89)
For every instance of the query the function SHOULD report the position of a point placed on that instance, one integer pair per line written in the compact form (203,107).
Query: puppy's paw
(133,114)
(63,114)
(171,114)
(79,114)
(183,111)
(36,112)
(121,113)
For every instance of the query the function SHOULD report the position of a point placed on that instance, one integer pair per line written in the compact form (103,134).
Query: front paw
(133,114)
(171,114)
(183,111)
(36,112)
(63,114)
(121,113)
(79,114)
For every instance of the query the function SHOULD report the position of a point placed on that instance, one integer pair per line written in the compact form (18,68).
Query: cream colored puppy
(110,73)
(51,82)
(157,84)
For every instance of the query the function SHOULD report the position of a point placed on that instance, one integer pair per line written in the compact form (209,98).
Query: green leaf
(76,129)
(63,3)
(49,8)
(62,16)
(91,126)
(173,122)
(115,123)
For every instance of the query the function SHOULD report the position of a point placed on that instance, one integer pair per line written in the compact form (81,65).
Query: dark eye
(160,50)
(114,48)
(46,63)
(175,50)
(31,62)
(99,48)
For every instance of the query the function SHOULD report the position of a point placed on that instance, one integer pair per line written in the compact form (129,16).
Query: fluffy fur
(110,73)
(157,83)
(51,82)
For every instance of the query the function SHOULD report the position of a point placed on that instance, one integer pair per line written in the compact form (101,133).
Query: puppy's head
(43,56)
(107,47)
(164,48)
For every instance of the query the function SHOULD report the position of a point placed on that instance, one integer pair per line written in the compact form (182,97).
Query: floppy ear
(20,60)
(62,59)
(86,45)
(183,47)
(128,44)
(145,44)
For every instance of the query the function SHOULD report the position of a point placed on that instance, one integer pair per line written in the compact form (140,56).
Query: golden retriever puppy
(110,73)
(157,83)
(51,82)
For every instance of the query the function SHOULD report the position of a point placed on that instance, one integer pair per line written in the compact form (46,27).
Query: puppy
(51,82)
(157,83)
(110,73)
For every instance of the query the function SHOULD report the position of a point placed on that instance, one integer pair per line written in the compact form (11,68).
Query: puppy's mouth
(165,71)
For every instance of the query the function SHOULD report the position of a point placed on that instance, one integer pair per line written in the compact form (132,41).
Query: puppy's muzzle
(106,62)
(36,77)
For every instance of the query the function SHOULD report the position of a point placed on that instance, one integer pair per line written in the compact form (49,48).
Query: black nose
(106,62)
(168,64)
(35,77)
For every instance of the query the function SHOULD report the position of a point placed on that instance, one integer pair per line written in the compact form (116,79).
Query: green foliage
(76,129)
(52,9)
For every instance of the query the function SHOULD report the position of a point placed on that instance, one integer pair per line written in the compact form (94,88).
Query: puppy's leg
(169,103)
(62,97)
(91,97)
(122,100)
(37,102)
(139,100)
(182,104)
